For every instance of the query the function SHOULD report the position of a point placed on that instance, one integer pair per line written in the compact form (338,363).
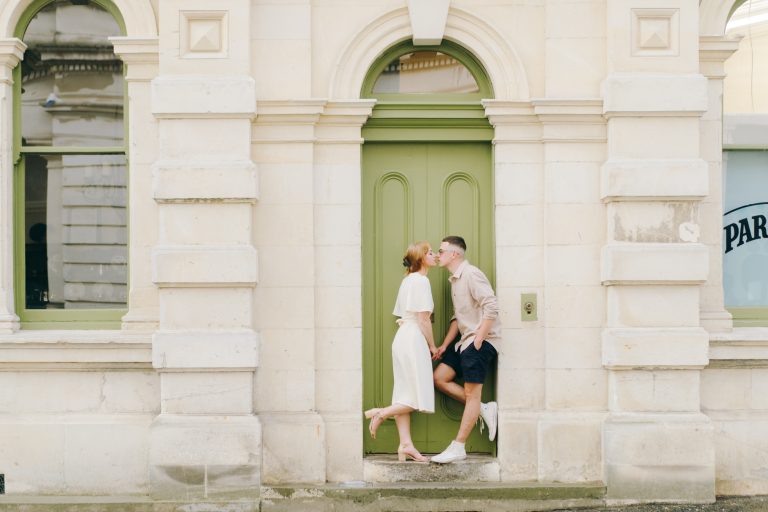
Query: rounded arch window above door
(442,74)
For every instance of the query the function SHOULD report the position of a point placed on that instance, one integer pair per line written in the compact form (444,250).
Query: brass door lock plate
(528,307)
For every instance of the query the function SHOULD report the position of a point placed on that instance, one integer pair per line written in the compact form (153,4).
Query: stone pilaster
(140,56)
(294,433)
(519,188)
(11,52)
(713,52)
(657,444)
(550,226)
(207,440)
(338,284)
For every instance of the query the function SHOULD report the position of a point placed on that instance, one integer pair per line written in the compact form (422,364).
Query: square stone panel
(203,34)
(655,32)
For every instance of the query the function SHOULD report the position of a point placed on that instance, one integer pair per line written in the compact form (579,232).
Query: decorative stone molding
(227,266)
(655,32)
(654,263)
(140,54)
(655,348)
(286,121)
(206,350)
(203,34)
(654,180)
(504,66)
(713,16)
(713,52)
(428,19)
(220,97)
(547,120)
(742,347)
(572,120)
(341,121)
(11,53)
(655,94)
(75,350)
(188,181)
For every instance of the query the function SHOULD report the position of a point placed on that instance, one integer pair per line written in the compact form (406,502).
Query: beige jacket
(474,300)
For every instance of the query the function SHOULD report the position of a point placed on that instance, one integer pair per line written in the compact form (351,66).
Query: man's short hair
(457,241)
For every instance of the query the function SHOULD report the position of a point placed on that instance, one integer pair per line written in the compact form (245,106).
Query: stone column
(657,443)
(207,440)
(140,56)
(11,52)
(713,52)
(338,284)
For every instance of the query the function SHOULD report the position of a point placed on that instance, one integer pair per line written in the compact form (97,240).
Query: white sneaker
(454,452)
(490,413)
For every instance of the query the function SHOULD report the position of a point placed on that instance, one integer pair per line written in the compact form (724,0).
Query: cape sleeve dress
(411,359)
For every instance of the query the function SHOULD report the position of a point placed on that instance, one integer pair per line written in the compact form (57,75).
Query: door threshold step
(431,496)
(475,468)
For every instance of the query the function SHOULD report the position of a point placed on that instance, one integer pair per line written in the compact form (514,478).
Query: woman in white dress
(411,362)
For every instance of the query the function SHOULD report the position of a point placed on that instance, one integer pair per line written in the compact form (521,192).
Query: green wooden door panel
(419,191)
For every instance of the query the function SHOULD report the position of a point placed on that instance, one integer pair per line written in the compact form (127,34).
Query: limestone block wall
(77,411)
(733,395)
(241,353)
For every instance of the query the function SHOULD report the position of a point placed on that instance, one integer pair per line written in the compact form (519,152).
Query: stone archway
(504,66)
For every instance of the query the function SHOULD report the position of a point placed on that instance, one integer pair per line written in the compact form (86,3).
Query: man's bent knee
(472,391)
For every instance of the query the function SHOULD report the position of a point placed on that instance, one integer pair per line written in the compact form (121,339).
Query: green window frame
(428,116)
(55,318)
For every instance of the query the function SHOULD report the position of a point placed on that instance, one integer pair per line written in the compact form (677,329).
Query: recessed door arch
(427,172)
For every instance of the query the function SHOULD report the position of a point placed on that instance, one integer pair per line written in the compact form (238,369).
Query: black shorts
(471,365)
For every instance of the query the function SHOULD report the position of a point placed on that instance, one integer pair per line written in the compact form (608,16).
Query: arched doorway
(427,172)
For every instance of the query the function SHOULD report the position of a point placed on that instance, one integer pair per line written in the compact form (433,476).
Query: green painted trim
(749,317)
(73,324)
(73,150)
(54,319)
(406,134)
(447,47)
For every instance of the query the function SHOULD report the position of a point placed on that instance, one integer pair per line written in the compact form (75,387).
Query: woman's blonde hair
(414,256)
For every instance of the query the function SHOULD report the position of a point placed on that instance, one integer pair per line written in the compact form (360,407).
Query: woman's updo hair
(414,256)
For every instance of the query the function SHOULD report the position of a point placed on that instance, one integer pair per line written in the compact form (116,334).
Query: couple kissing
(475,319)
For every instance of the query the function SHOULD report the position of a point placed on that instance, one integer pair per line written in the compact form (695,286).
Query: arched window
(444,74)
(71,184)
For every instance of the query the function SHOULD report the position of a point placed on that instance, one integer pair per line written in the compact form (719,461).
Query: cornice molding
(11,53)
(713,52)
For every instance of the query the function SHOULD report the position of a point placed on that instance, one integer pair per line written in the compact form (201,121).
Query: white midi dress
(411,359)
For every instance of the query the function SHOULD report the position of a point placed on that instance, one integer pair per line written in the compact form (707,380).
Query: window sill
(72,350)
(743,347)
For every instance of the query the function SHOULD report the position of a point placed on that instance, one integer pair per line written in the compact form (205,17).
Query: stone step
(475,468)
(432,496)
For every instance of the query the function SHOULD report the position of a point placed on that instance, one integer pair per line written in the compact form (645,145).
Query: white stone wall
(241,352)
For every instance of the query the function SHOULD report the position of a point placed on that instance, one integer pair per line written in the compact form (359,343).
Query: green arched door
(427,173)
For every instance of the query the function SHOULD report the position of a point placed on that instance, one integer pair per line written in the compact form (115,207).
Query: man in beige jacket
(476,318)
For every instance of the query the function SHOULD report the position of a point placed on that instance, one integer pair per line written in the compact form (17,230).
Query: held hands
(438,354)
(434,351)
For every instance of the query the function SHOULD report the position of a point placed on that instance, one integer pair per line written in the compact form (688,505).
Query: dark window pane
(75,222)
(72,82)
(425,72)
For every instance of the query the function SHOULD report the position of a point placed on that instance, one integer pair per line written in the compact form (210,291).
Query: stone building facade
(201,330)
